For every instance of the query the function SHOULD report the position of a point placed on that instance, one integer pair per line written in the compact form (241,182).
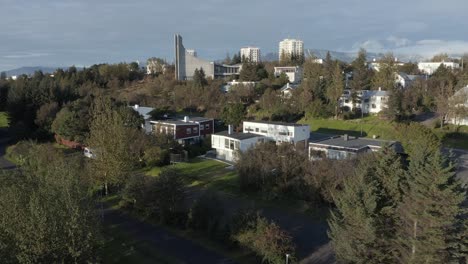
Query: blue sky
(85,32)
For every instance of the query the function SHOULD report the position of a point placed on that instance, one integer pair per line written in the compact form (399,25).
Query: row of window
(195,129)
(257,130)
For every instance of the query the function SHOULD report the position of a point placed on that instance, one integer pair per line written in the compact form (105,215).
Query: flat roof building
(186,62)
(251,54)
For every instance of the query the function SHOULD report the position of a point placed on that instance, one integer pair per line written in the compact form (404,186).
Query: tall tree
(431,210)
(361,73)
(385,76)
(48,214)
(111,140)
(335,88)
(233,114)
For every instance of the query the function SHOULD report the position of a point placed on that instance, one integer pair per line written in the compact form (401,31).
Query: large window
(195,130)
(188,131)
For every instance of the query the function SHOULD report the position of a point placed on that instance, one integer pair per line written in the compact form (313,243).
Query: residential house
(369,101)
(459,114)
(294,73)
(231,85)
(345,147)
(186,131)
(404,80)
(287,90)
(228,144)
(430,67)
(145,113)
(279,132)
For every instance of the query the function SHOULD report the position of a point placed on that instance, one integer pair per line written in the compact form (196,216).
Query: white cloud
(25,55)
(425,47)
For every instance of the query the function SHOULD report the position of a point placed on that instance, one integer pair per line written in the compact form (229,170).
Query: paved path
(171,244)
(309,234)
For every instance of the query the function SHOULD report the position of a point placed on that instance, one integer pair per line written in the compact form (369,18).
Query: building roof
(288,86)
(199,119)
(238,136)
(143,110)
(276,123)
(314,136)
(354,143)
(172,122)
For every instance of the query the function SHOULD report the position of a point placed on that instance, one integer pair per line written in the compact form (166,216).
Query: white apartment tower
(291,47)
(251,54)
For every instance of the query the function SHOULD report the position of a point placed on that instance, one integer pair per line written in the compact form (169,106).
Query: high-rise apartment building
(290,48)
(251,54)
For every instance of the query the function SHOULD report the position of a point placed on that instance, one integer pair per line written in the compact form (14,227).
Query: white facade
(228,145)
(430,67)
(290,47)
(191,52)
(459,116)
(251,54)
(279,132)
(368,101)
(294,73)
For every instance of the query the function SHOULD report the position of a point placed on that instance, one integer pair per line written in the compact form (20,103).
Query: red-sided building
(185,131)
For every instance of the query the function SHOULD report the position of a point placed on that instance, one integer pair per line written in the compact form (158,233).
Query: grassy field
(3,119)
(451,136)
(370,125)
(206,173)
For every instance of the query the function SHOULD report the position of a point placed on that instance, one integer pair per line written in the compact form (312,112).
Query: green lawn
(3,119)
(370,125)
(206,173)
(451,136)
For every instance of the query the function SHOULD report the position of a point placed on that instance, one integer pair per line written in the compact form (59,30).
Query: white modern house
(459,116)
(291,47)
(251,54)
(145,112)
(228,143)
(294,73)
(369,101)
(279,132)
(232,85)
(430,67)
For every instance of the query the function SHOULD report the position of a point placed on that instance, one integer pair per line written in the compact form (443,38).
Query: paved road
(461,157)
(309,234)
(173,245)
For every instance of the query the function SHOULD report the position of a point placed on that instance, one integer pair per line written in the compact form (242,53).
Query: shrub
(206,214)
(161,198)
(155,156)
(267,240)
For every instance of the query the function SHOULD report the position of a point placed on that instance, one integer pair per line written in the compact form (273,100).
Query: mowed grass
(370,125)
(451,136)
(205,173)
(3,119)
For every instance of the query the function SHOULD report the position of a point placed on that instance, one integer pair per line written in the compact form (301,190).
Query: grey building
(345,147)
(186,62)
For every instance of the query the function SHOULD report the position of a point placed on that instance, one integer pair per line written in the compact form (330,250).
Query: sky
(85,32)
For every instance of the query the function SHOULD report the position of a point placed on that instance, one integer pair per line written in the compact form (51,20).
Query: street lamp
(287,258)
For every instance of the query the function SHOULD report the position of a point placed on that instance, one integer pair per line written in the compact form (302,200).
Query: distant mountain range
(345,56)
(31,70)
